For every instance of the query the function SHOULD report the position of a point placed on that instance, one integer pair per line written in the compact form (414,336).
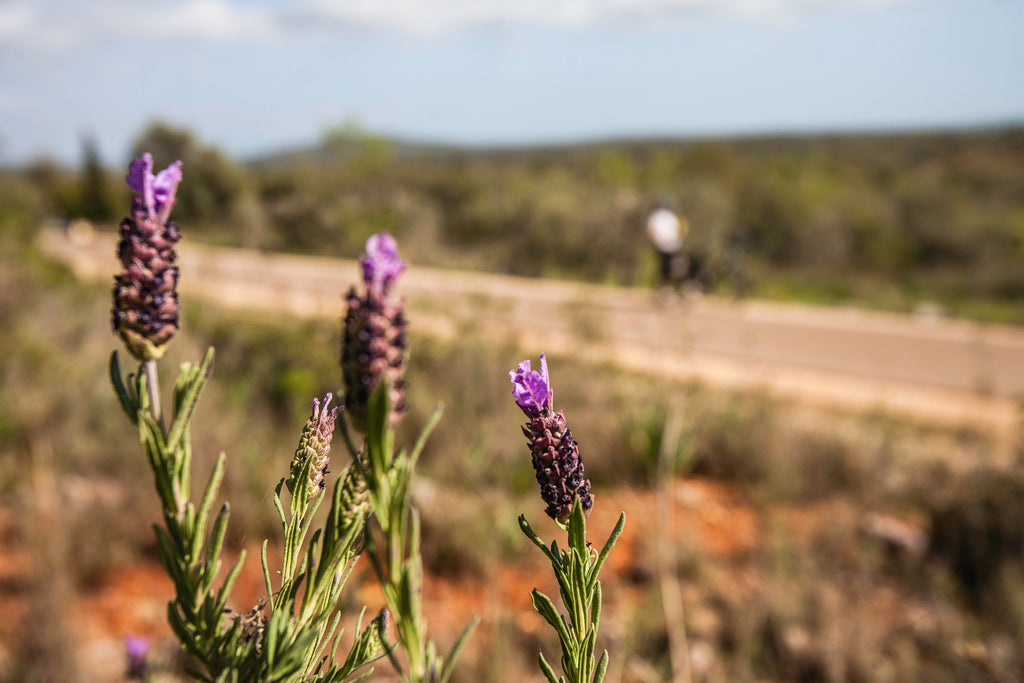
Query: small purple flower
(156,192)
(381,265)
(554,453)
(532,389)
(137,651)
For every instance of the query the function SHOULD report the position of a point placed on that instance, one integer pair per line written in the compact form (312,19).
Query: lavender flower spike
(137,652)
(373,347)
(313,451)
(554,453)
(145,312)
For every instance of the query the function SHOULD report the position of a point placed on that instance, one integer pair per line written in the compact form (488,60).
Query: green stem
(153,389)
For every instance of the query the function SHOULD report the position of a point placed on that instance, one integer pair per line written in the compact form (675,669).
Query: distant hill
(349,144)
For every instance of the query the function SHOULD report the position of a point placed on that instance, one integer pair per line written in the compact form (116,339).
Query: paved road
(936,369)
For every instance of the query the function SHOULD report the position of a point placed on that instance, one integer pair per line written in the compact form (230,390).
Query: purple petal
(381,264)
(165,185)
(531,389)
(136,646)
(140,179)
(158,192)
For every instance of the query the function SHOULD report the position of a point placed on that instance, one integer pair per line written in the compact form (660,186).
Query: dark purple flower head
(145,311)
(136,650)
(156,193)
(532,389)
(381,265)
(554,452)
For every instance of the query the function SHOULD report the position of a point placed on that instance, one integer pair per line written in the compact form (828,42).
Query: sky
(261,76)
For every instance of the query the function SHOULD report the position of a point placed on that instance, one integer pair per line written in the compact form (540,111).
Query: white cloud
(449,16)
(214,20)
(53,25)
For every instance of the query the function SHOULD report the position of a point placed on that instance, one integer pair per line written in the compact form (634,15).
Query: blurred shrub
(976,528)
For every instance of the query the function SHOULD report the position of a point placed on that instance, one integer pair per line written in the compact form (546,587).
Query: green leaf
(449,661)
(229,580)
(127,404)
(266,569)
(602,667)
(185,402)
(279,506)
(549,673)
(206,504)
(378,432)
(578,528)
(220,526)
(530,534)
(609,544)
(424,434)
(546,608)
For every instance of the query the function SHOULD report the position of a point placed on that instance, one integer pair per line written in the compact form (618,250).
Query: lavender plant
(374,356)
(566,491)
(294,635)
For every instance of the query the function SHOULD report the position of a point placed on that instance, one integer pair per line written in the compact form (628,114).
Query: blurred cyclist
(666,231)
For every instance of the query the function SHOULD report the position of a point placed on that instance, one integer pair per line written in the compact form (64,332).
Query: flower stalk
(373,363)
(293,635)
(566,491)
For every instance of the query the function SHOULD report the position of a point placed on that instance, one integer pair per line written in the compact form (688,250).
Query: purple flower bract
(156,192)
(381,264)
(532,389)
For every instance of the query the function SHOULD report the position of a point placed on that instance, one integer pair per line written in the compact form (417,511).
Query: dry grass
(779,578)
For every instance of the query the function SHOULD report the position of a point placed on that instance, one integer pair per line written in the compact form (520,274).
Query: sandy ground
(931,368)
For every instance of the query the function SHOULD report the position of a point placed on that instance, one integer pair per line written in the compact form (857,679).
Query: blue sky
(259,76)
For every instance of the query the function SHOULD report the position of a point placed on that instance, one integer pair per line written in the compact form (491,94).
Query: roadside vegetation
(888,221)
(810,545)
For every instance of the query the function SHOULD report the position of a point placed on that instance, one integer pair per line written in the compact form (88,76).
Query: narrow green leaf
(602,667)
(449,661)
(378,410)
(266,569)
(549,673)
(421,441)
(577,528)
(587,649)
(546,608)
(206,504)
(609,544)
(220,526)
(186,403)
(229,580)
(595,607)
(127,404)
(530,534)
(279,506)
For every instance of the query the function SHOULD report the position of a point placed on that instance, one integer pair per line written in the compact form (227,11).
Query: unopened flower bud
(355,494)
(313,452)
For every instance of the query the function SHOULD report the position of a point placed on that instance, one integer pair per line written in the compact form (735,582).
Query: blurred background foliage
(818,595)
(882,220)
